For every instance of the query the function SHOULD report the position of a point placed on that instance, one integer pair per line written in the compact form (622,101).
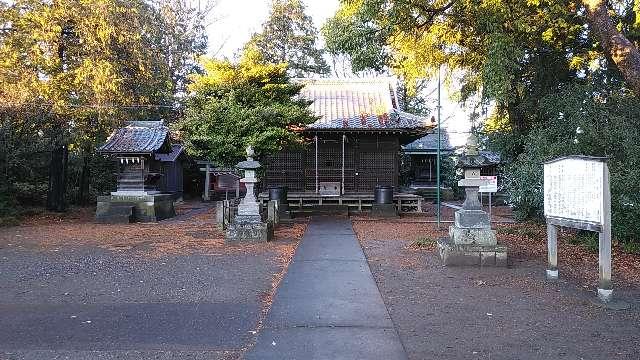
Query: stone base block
(471,255)
(472,219)
(384,210)
(146,208)
(465,236)
(246,232)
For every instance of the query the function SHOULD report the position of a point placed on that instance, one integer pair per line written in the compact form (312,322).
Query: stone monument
(247,225)
(471,240)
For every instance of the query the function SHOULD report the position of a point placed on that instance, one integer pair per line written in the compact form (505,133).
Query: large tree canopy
(510,51)
(234,105)
(71,71)
(289,36)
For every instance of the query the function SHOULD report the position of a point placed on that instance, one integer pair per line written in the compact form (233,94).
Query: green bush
(576,121)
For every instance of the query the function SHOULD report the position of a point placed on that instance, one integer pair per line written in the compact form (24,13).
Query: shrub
(585,125)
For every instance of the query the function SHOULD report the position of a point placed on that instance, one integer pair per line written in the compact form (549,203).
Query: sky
(234,21)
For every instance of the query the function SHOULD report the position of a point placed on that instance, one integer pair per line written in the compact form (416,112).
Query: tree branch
(622,51)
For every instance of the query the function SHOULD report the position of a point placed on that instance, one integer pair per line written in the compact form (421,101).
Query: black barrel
(278,193)
(383,194)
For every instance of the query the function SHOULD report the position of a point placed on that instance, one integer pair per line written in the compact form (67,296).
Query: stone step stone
(118,214)
(330,210)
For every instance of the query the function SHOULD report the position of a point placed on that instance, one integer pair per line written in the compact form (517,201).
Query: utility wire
(92,106)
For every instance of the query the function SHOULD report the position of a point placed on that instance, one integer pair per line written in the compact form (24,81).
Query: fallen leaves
(193,231)
(524,240)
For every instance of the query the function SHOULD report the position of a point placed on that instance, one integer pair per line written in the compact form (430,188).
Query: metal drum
(383,194)
(279,193)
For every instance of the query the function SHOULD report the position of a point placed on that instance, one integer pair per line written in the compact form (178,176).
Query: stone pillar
(220,214)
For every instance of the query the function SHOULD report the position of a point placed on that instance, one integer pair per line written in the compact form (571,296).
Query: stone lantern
(247,225)
(471,240)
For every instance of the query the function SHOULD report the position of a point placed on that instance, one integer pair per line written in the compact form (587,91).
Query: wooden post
(552,249)
(207,182)
(605,287)
(238,188)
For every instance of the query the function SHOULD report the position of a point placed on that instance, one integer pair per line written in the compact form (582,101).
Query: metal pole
(490,207)
(316,140)
(438,159)
(343,139)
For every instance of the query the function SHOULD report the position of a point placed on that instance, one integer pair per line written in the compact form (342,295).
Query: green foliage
(507,51)
(583,118)
(289,36)
(72,71)
(631,247)
(350,32)
(234,105)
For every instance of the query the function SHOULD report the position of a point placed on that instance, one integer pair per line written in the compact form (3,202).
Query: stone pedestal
(246,229)
(471,242)
(130,208)
(453,254)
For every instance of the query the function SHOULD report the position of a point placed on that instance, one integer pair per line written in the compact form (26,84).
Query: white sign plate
(491,184)
(574,189)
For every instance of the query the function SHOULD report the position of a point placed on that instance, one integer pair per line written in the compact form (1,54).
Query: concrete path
(328,305)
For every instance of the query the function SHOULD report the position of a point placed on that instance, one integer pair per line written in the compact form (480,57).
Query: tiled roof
(429,143)
(176,150)
(136,138)
(357,104)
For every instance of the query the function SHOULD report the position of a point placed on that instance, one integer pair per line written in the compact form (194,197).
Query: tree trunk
(622,51)
(57,179)
(83,190)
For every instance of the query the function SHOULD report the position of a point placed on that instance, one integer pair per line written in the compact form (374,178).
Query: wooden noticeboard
(577,195)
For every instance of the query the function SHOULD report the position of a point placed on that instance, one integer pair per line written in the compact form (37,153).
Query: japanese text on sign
(573,189)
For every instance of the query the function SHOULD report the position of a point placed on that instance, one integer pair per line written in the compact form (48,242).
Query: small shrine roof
(138,137)
(428,144)
(176,151)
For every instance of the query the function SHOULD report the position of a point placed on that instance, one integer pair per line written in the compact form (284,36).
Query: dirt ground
(74,289)
(191,231)
(500,313)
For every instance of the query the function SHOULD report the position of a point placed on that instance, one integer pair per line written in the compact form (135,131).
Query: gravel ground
(492,313)
(72,289)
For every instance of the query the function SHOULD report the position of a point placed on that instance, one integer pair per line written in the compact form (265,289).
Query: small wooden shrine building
(149,176)
(422,157)
(355,144)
